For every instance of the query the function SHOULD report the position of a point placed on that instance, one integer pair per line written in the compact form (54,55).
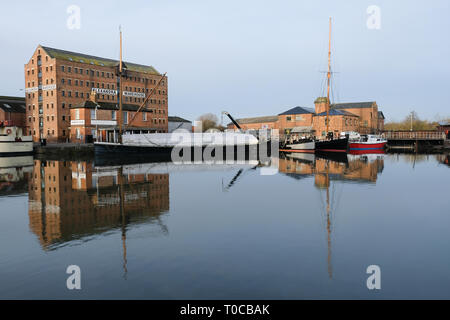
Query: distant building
(255,123)
(366,111)
(56,80)
(178,123)
(12,111)
(444,126)
(296,120)
(363,117)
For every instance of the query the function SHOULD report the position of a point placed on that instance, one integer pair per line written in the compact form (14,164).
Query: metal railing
(413,135)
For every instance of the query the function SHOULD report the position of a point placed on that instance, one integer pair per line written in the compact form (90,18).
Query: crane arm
(232,120)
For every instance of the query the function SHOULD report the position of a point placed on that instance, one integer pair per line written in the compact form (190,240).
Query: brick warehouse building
(57,80)
(363,117)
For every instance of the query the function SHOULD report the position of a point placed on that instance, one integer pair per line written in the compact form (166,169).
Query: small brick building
(98,121)
(12,111)
(444,126)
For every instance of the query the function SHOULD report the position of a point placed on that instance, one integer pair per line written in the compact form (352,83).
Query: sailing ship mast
(328,76)
(120,90)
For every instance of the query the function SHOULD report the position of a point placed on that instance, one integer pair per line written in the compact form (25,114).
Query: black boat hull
(120,154)
(335,145)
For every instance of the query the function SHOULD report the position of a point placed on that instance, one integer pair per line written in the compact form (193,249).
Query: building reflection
(351,168)
(444,159)
(327,168)
(71,200)
(14,175)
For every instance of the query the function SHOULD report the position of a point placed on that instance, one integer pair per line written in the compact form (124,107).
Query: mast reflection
(73,200)
(327,169)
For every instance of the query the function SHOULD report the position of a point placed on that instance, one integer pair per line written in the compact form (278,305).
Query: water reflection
(74,200)
(70,200)
(444,159)
(328,168)
(235,215)
(343,167)
(14,175)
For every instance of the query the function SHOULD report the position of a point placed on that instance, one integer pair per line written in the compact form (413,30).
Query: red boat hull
(357,146)
(375,151)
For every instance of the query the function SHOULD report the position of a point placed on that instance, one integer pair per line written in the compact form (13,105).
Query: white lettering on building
(134,94)
(105,91)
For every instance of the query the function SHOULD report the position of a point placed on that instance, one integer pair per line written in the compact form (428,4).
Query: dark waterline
(165,231)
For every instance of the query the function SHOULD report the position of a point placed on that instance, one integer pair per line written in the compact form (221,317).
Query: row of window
(351,122)
(31,84)
(104,74)
(88,72)
(47,69)
(48,118)
(114,116)
(48,133)
(297,118)
(108,97)
(63,106)
(111,86)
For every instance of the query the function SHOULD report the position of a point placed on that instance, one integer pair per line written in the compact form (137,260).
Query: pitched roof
(352,105)
(297,110)
(256,120)
(381,115)
(336,112)
(88,59)
(13,104)
(176,119)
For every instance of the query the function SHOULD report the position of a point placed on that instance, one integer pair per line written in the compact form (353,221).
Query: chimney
(321,104)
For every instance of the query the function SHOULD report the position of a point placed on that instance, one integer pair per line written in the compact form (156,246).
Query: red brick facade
(56,80)
(362,117)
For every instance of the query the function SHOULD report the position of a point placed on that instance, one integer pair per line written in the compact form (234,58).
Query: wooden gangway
(413,135)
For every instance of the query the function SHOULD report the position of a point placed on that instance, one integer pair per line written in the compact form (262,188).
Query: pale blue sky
(252,58)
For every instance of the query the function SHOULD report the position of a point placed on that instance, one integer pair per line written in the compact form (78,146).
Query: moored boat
(368,143)
(334,145)
(13,142)
(302,145)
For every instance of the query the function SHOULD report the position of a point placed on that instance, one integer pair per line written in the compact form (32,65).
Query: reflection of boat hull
(367,146)
(106,154)
(374,151)
(335,145)
(302,146)
(306,157)
(10,162)
(340,157)
(13,142)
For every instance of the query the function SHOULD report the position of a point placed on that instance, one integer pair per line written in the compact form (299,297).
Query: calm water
(162,231)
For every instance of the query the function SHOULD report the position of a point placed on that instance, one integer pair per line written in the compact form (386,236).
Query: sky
(252,58)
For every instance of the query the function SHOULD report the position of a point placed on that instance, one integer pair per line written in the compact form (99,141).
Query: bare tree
(209,121)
